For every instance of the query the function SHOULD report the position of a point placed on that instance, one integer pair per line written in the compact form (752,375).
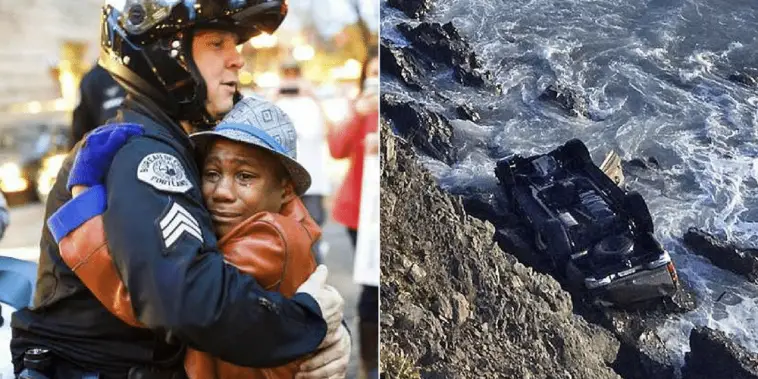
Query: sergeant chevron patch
(176,222)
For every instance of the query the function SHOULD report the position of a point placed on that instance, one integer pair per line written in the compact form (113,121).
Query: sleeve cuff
(77,211)
(308,302)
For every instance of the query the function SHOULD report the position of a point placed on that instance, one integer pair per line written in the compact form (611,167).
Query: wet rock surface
(401,63)
(466,112)
(411,8)
(443,44)
(565,99)
(724,254)
(478,313)
(714,355)
(429,131)
(743,78)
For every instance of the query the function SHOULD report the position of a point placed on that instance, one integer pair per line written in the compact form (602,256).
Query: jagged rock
(466,112)
(443,309)
(461,310)
(724,254)
(531,331)
(649,163)
(713,355)
(411,8)
(401,63)
(428,131)
(443,43)
(417,273)
(743,78)
(566,99)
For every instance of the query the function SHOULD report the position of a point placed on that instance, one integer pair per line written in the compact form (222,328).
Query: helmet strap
(195,110)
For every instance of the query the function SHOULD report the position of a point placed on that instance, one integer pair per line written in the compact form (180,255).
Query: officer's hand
(329,300)
(331,361)
(94,158)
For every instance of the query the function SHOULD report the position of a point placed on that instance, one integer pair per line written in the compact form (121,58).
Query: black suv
(589,229)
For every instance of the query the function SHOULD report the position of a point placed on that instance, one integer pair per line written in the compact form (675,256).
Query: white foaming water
(654,75)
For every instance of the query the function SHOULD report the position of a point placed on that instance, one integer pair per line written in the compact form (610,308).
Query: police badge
(164,172)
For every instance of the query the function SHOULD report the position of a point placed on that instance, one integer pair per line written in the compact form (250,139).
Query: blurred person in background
(5,217)
(99,99)
(354,139)
(4,222)
(298,101)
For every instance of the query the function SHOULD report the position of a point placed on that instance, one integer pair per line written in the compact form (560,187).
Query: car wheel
(636,208)
(556,243)
(614,248)
(576,152)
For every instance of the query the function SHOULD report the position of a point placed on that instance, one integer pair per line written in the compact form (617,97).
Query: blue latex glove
(96,154)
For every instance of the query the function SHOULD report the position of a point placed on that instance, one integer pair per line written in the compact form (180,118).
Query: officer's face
(219,62)
(239,181)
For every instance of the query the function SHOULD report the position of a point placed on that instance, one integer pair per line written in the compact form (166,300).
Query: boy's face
(239,181)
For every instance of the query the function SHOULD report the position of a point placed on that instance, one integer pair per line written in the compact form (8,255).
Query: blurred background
(49,45)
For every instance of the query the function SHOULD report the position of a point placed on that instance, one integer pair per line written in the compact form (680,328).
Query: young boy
(251,185)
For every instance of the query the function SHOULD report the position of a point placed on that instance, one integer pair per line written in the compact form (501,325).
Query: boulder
(411,8)
(714,355)
(723,254)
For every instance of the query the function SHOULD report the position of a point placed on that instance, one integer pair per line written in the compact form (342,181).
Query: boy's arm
(77,227)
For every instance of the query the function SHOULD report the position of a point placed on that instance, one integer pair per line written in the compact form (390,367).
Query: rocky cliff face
(455,305)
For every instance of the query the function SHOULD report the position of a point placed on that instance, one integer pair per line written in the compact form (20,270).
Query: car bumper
(640,286)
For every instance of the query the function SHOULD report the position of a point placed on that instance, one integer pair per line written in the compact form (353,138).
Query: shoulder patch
(164,172)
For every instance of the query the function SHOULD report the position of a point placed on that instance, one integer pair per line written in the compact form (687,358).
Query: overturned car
(590,230)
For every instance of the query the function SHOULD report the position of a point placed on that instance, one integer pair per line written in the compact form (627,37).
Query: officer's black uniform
(100,97)
(184,293)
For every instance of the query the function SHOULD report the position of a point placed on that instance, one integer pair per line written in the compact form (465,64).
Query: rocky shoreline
(463,294)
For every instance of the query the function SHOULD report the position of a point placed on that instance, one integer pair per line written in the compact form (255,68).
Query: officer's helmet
(146,46)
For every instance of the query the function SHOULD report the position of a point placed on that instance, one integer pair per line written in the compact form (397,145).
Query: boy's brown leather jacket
(274,248)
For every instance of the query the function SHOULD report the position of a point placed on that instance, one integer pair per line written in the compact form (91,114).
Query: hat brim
(301,178)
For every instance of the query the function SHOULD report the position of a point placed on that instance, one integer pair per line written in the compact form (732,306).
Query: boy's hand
(96,154)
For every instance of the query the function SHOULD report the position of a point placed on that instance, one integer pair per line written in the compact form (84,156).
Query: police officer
(99,99)
(177,61)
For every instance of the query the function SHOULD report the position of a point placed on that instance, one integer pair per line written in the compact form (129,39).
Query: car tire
(614,248)
(575,151)
(638,212)
(556,243)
